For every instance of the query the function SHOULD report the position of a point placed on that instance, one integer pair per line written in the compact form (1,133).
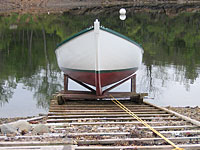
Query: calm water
(29,74)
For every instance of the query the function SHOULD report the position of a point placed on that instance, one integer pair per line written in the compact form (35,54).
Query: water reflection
(27,46)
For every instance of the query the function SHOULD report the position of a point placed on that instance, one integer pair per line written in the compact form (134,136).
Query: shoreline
(78,7)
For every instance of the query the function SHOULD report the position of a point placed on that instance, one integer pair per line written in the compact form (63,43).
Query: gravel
(192,112)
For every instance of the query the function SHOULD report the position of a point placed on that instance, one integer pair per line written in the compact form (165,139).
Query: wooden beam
(193,121)
(158,147)
(99,119)
(117,84)
(133,84)
(75,147)
(101,110)
(82,84)
(99,106)
(34,147)
(146,140)
(96,113)
(104,96)
(181,132)
(132,128)
(121,115)
(66,81)
(98,133)
(130,122)
(35,143)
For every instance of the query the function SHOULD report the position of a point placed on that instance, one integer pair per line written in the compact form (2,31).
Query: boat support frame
(106,94)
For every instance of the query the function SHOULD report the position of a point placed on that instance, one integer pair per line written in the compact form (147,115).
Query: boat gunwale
(75,35)
(102,28)
(120,35)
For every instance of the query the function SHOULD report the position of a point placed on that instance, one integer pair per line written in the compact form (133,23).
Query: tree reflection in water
(27,45)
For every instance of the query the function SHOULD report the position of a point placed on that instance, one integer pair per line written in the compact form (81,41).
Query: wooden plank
(45,135)
(132,128)
(36,118)
(98,102)
(74,147)
(181,132)
(97,105)
(160,147)
(195,122)
(106,95)
(101,110)
(121,115)
(63,119)
(115,118)
(63,124)
(104,123)
(35,143)
(52,147)
(113,141)
(102,113)
(170,127)
(155,127)
(98,133)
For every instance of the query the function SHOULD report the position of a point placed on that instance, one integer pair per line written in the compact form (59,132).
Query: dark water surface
(29,74)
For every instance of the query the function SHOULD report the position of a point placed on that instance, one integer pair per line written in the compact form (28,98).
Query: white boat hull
(99,56)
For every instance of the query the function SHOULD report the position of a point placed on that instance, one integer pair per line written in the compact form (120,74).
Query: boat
(99,57)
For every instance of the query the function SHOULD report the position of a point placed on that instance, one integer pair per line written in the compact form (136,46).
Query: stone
(40,129)
(8,129)
(22,125)
(69,141)
(69,147)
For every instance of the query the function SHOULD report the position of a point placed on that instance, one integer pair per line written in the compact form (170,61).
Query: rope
(144,123)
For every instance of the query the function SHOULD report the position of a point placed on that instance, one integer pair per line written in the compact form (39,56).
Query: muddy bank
(96,6)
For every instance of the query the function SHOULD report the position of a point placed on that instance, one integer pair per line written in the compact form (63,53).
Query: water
(29,74)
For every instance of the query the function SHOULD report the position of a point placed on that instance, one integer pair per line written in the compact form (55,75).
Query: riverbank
(95,6)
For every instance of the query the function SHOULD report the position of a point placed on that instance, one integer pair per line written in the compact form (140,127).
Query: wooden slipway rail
(102,125)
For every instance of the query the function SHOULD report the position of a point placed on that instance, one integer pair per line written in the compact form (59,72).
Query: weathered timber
(121,115)
(134,127)
(106,123)
(96,113)
(181,132)
(103,110)
(160,147)
(146,140)
(64,119)
(98,133)
(35,143)
(197,123)
(82,96)
(131,122)
(33,147)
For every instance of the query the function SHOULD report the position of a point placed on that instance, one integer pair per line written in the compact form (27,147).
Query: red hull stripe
(106,77)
